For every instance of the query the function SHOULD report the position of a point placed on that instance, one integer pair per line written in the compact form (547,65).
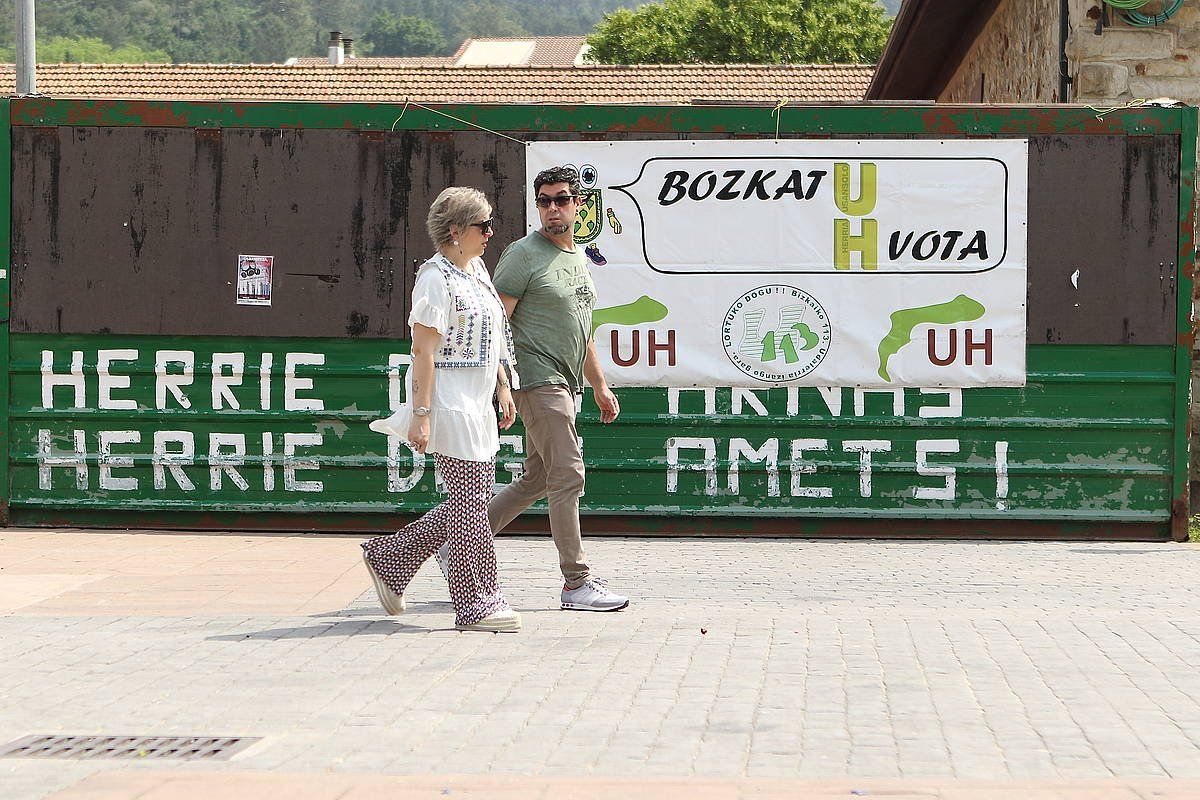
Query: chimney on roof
(348,47)
(336,54)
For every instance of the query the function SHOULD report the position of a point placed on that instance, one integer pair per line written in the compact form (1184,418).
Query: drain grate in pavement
(185,748)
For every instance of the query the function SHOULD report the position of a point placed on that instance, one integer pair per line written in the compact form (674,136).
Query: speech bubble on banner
(861,215)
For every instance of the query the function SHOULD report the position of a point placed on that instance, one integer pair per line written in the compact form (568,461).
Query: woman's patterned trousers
(462,520)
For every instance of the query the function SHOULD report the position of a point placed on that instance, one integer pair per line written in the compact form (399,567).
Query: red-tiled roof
(669,84)
(547,50)
(381,61)
(551,51)
(557,50)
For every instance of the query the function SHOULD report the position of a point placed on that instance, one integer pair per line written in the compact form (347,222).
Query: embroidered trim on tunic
(469,331)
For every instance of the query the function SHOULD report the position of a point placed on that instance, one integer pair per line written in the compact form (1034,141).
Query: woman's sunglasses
(485,226)
(561,200)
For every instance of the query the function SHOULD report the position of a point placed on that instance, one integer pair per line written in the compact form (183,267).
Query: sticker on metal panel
(254,280)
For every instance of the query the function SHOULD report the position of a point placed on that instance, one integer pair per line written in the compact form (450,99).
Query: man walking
(547,291)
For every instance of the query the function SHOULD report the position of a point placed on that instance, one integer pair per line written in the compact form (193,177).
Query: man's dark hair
(566,174)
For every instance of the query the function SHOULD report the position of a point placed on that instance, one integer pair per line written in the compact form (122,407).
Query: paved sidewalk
(743,668)
(257,786)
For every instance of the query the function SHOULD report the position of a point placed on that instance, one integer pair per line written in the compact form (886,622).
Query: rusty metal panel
(150,221)
(437,160)
(1107,207)
(160,215)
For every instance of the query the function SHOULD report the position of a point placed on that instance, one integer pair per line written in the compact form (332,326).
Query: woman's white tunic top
(462,420)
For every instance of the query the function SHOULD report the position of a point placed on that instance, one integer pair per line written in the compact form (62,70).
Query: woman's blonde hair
(457,205)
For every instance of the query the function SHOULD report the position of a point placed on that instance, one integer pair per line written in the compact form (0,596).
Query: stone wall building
(1038,51)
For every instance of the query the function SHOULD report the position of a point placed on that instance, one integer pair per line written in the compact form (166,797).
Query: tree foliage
(402,35)
(241,31)
(743,32)
(92,50)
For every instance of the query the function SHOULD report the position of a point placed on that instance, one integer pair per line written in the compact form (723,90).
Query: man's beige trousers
(554,470)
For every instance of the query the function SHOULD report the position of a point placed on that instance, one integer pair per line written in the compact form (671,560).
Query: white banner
(875,263)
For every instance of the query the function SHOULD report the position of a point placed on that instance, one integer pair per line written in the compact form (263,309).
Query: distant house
(495,51)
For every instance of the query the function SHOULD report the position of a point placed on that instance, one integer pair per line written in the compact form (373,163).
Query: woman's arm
(504,398)
(509,302)
(425,341)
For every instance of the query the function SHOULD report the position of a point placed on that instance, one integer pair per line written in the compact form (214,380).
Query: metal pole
(1064,64)
(26,49)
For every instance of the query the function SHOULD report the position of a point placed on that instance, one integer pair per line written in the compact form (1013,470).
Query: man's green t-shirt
(553,321)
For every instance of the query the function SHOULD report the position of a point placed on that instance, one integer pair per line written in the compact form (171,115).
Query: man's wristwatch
(421,411)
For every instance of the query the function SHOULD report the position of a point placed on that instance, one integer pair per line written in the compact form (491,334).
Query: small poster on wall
(254,280)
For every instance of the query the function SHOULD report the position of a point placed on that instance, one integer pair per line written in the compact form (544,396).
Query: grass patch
(1194,529)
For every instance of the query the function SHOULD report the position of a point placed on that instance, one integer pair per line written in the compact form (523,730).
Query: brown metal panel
(431,165)
(434,160)
(509,197)
(1106,206)
(137,230)
(425,162)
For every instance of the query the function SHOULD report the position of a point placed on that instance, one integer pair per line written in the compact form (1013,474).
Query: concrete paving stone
(1031,769)
(781,768)
(1179,765)
(926,768)
(873,768)
(1136,767)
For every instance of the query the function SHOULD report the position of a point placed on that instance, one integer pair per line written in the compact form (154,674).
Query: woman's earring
(454,242)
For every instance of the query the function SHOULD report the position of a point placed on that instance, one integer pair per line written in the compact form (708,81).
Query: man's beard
(557,230)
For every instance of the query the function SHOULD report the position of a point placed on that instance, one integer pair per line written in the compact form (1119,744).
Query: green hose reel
(1131,12)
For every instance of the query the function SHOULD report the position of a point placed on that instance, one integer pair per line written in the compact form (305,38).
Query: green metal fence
(117,425)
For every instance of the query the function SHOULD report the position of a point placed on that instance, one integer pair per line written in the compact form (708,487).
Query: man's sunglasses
(560,200)
(484,227)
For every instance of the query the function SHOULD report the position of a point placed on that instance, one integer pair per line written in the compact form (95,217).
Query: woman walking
(461,346)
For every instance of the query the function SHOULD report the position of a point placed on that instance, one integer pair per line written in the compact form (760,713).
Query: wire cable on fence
(408,103)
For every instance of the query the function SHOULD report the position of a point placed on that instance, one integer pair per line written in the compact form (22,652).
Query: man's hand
(594,375)
(606,401)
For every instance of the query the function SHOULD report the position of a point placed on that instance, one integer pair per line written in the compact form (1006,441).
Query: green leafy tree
(654,34)
(91,50)
(464,18)
(404,35)
(241,31)
(278,30)
(743,32)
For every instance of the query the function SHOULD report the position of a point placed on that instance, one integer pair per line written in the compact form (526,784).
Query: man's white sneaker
(503,621)
(392,603)
(442,556)
(592,595)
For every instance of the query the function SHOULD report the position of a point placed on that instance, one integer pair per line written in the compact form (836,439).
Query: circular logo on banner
(776,333)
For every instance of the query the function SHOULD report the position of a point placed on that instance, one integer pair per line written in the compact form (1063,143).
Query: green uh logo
(770,345)
(866,242)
